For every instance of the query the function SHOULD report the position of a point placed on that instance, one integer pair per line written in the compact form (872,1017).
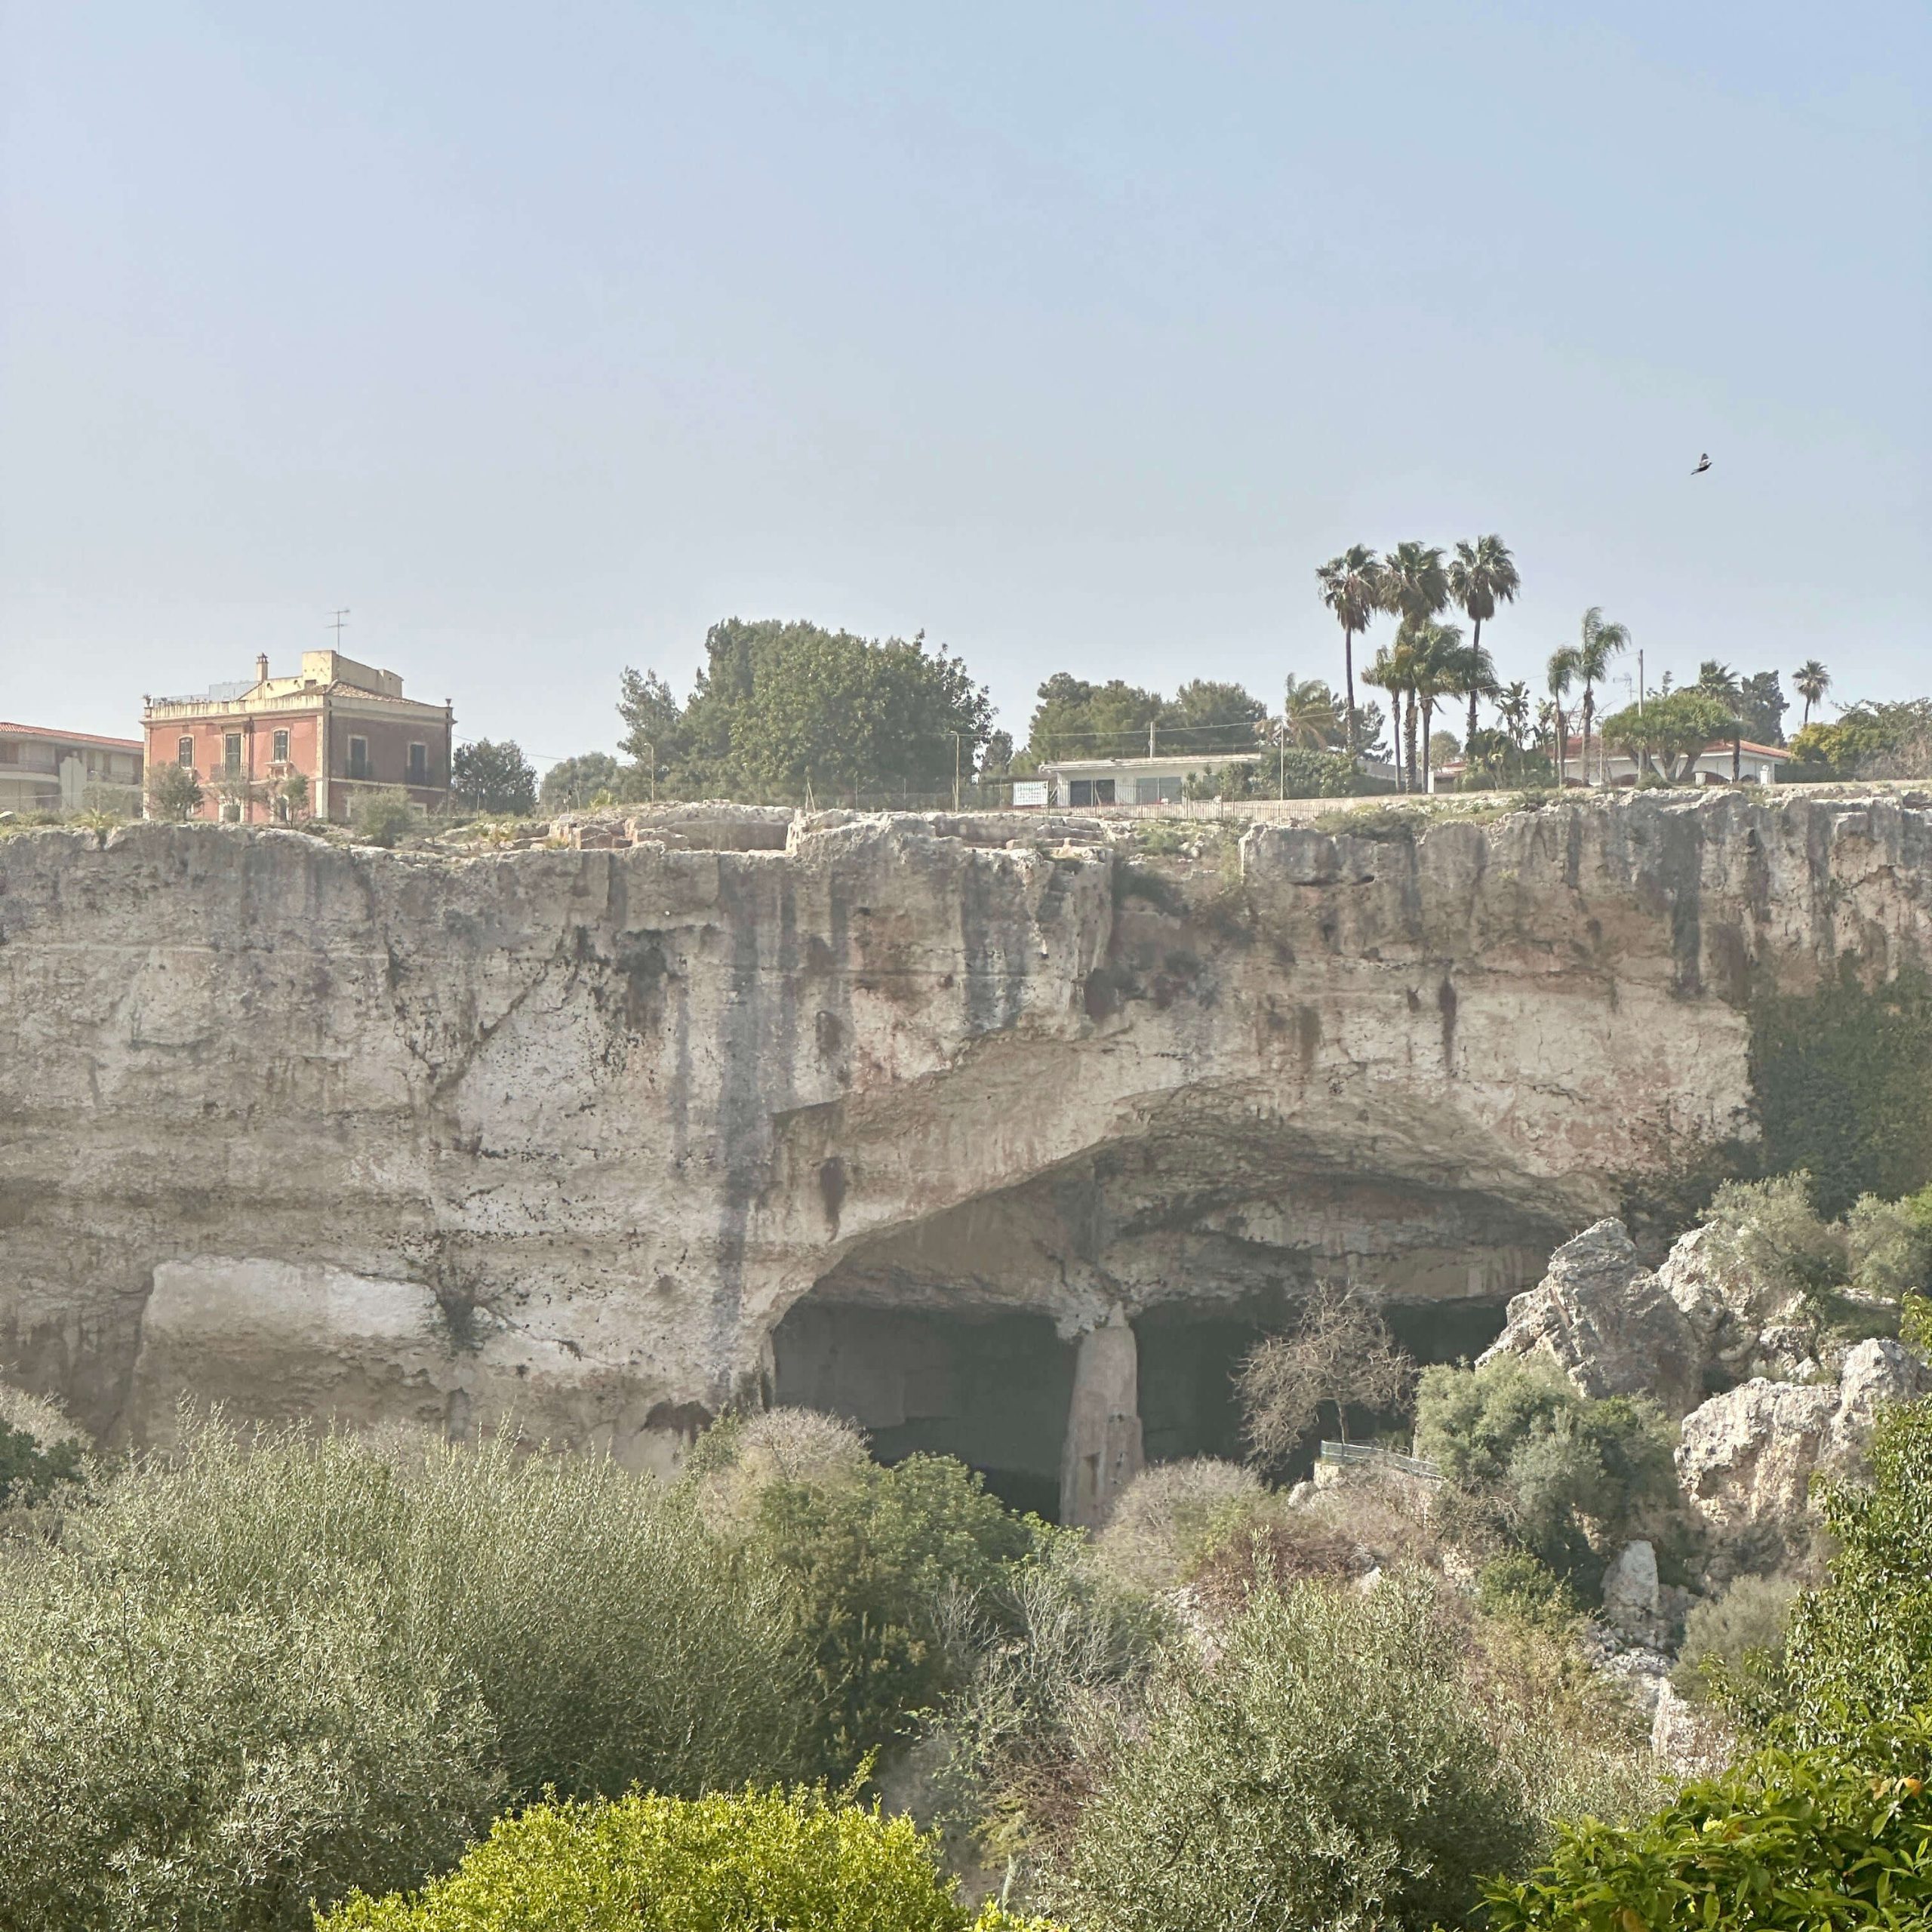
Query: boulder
(1875,1372)
(1608,1323)
(1630,1592)
(1721,1312)
(1746,1457)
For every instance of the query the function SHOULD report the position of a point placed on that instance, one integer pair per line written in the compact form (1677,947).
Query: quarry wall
(319,1130)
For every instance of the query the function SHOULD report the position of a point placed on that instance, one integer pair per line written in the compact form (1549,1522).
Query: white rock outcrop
(567,1133)
(1608,1322)
(1746,1457)
(1631,1590)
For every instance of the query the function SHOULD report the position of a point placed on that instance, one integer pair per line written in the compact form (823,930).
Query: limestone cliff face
(321,1130)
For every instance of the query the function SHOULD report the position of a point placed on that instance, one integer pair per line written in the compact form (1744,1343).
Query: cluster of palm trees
(1584,664)
(1427,661)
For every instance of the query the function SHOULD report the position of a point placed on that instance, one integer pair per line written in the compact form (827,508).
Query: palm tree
(1387,671)
(1308,714)
(1562,674)
(1512,712)
(1414,589)
(1811,681)
(1476,677)
(1437,657)
(1719,681)
(1415,586)
(1352,588)
(1599,643)
(1483,575)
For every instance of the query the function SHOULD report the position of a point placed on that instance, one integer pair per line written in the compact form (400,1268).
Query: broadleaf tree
(492,776)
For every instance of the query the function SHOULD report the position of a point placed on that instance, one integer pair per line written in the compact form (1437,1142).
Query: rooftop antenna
(335,623)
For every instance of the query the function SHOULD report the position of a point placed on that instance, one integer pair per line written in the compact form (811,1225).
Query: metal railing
(1364,1455)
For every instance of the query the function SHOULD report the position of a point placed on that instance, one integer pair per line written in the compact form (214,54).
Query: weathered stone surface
(1747,1456)
(1874,1373)
(1630,1589)
(315,1129)
(1607,1322)
(1690,1740)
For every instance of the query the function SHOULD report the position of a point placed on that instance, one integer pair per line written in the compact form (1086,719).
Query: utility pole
(1639,680)
(651,751)
(1150,737)
(956,771)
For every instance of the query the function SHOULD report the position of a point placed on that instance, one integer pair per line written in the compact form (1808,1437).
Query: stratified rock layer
(325,1131)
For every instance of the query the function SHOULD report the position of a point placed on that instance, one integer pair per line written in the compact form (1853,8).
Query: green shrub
(1569,1479)
(1840,1077)
(1517,1587)
(164,1762)
(1060,1655)
(722,1863)
(173,792)
(1790,1843)
(1167,1516)
(1327,1772)
(1743,1630)
(612,1637)
(382,816)
(1858,1650)
(30,1472)
(1890,1243)
(1302,773)
(877,1553)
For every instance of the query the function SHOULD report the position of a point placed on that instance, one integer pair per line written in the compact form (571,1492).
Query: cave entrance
(1188,1360)
(993,1388)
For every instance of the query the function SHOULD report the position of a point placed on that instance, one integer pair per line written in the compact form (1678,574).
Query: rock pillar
(1102,1452)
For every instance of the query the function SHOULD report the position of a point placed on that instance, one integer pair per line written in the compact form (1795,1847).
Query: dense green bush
(31,1470)
(381,817)
(878,1555)
(1518,1586)
(1569,1479)
(166,1762)
(1790,1843)
(748,1863)
(612,1637)
(1742,1630)
(1858,1652)
(1326,1771)
(256,1668)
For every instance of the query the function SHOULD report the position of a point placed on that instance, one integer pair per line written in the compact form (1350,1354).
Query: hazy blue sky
(542,336)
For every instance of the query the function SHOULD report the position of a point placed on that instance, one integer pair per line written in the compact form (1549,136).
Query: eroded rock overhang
(325,1131)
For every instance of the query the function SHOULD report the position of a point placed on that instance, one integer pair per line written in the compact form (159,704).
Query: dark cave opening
(992,1388)
(1188,1360)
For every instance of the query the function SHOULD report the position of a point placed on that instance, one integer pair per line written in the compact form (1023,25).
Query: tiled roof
(70,737)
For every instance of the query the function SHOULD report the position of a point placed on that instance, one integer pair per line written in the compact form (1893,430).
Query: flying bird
(1703,464)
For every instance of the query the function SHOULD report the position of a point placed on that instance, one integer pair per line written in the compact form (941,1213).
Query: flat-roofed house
(340,727)
(45,770)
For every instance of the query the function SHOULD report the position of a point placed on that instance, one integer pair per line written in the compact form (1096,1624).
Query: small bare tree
(1340,1351)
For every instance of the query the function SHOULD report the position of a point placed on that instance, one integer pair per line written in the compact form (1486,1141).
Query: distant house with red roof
(270,749)
(1727,761)
(43,769)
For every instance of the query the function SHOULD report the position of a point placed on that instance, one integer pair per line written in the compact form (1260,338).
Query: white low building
(1724,763)
(1090,782)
